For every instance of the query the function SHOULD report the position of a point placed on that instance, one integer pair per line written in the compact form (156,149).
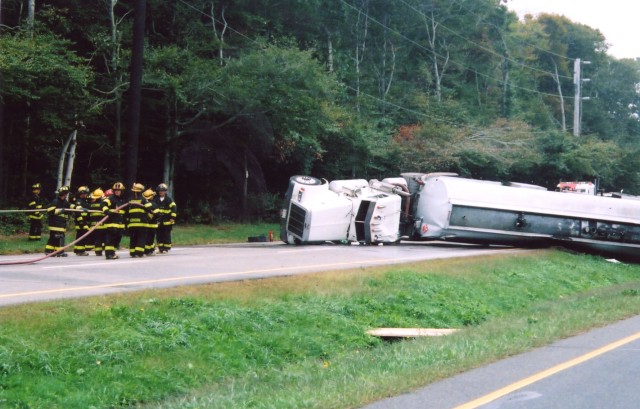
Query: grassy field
(300,342)
(183,235)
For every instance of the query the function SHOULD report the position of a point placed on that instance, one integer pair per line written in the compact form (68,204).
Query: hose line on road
(62,249)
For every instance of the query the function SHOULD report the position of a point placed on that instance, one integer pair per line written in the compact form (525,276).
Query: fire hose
(45,210)
(60,250)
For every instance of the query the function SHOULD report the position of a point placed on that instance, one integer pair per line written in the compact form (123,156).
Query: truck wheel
(306,180)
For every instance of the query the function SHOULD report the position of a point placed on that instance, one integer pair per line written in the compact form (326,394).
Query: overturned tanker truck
(441,206)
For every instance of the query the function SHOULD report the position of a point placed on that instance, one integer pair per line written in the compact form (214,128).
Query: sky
(617,20)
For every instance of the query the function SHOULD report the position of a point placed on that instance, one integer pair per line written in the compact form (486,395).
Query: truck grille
(297,216)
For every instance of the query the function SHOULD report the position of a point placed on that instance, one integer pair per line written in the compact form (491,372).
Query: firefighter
(112,206)
(35,218)
(152,224)
(137,218)
(166,218)
(81,219)
(58,222)
(97,237)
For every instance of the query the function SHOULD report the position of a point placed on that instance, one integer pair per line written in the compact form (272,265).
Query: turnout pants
(164,237)
(150,238)
(81,246)
(137,241)
(112,241)
(98,237)
(35,229)
(55,242)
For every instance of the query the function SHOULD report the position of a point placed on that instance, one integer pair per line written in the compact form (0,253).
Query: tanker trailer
(474,211)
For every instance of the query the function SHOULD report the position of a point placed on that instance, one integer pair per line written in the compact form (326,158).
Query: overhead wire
(481,47)
(191,6)
(425,115)
(528,44)
(437,55)
(405,109)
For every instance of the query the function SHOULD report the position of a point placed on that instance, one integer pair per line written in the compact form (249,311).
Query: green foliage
(320,87)
(44,72)
(290,88)
(13,223)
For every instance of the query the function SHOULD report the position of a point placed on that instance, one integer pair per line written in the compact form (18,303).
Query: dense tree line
(237,95)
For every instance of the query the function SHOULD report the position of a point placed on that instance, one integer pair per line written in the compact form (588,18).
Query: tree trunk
(62,159)
(220,37)
(118,82)
(25,152)
(135,89)
(557,80)
(245,187)
(71,158)
(438,71)
(329,51)
(31,16)
(171,133)
(385,77)
(506,71)
(361,45)
(118,129)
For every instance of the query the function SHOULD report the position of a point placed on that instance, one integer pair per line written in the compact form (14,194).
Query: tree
(46,83)
(187,86)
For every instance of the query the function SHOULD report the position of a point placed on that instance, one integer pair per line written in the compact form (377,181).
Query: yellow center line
(202,276)
(547,373)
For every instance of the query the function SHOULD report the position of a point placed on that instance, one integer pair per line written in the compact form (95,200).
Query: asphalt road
(75,276)
(598,369)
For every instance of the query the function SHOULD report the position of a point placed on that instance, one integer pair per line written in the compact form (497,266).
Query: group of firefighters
(101,218)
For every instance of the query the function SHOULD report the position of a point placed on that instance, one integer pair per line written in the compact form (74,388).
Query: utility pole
(577,102)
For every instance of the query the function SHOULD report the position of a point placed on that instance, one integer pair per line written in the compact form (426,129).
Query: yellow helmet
(118,186)
(149,194)
(137,187)
(35,186)
(83,189)
(97,194)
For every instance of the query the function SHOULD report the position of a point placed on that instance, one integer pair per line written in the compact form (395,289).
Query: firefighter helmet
(36,186)
(63,190)
(118,186)
(149,194)
(83,190)
(97,194)
(137,187)
(162,187)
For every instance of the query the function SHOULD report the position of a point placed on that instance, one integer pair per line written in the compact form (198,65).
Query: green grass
(199,234)
(300,342)
(183,235)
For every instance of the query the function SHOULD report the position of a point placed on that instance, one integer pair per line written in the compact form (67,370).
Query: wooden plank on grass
(410,332)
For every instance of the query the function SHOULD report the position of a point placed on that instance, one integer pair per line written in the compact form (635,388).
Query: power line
(528,44)
(409,110)
(191,6)
(480,46)
(437,55)
(427,116)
